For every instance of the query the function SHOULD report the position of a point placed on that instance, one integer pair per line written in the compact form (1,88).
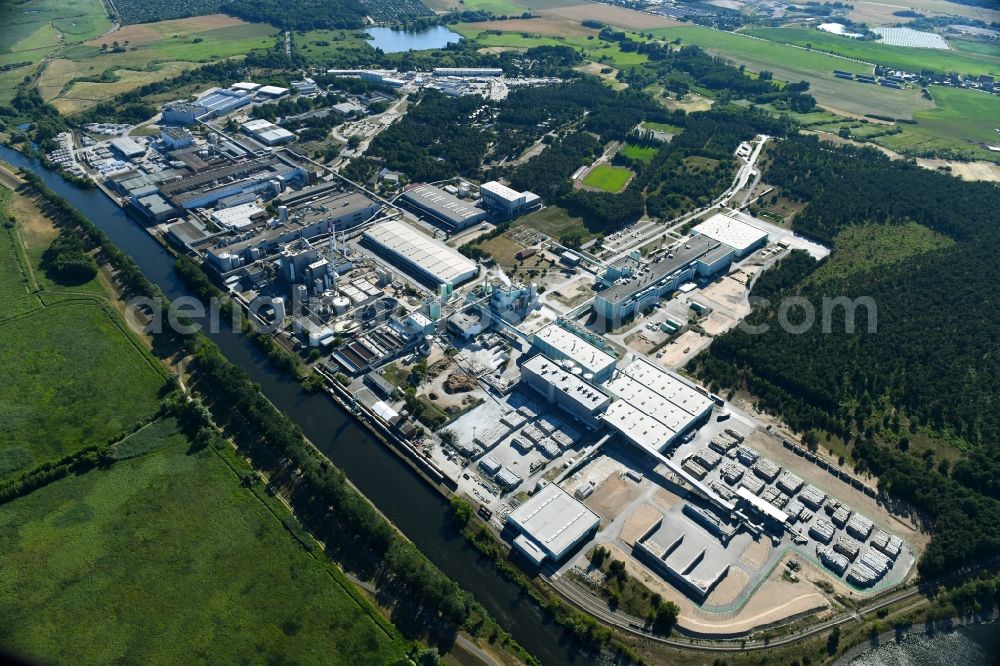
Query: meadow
(35,28)
(607,178)
(662,127)
(88,72)
(641,153)
(167,558)
(910,59)
(74,375)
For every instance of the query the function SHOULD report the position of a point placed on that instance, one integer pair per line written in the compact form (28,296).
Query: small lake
(395,41)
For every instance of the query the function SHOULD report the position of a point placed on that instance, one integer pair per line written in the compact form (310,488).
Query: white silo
(279,309)
(340,304)
(283,214)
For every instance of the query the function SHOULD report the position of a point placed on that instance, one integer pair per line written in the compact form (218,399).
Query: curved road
(594,606)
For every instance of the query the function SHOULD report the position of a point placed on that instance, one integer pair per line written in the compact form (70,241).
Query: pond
(395,41)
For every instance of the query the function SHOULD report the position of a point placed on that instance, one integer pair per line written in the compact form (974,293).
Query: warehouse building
(507,201)
(425,258)
(551,524)
(694,564)
(266,132)
(742,237)
(634,284)
(128,147)
(180,113)
(654,408)
(449,210)
(562,344)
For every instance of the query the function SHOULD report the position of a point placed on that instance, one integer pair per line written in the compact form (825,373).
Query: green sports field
(166,559)
(607,178)
(910,59)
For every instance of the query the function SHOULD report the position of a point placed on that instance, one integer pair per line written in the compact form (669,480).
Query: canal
(418,510)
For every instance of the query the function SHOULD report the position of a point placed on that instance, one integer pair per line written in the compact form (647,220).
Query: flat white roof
(734,233)
(257,124)
(589,357)
(272,90)
(434,257)
(501,190)
(554,520)
(238,216)
(763,506)
(573,386)
(245,85)
(653,405)
(668,385)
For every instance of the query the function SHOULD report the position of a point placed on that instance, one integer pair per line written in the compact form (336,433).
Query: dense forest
(299,14)
(435,139)
(929,372)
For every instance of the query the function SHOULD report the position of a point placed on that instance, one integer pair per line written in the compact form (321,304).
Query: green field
(641,153)
(319,45)
(962,114)
(607,178)
(166,559)
(35,28)
(910,59)
(73,376)
(553,221)
(662,127)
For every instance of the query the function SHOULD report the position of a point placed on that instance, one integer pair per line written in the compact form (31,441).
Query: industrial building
(634,284)
(561,387)
(175,137)
(239,217)
(446,208)
(266,132)
(468,71)
(273,92)
(654,408)
(422,256)
(551,524)
(340,210)
(128,147)
(742,237)
(694,564)
(562,344)
(180,113)
(221,102)
(507,201)
(262,175)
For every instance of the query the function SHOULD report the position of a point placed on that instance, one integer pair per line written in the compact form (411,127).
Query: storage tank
(225,262)
(279,309)
(283,214)
(340,304)
(463,190)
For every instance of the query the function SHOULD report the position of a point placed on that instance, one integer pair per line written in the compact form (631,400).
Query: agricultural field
(90,72)
(640,153)
(789,63)
(199,568)
(607,178)
(910,59)
(74,375)
(34,29)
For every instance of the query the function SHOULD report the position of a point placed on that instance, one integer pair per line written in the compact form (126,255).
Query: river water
(969,646)
(419,511)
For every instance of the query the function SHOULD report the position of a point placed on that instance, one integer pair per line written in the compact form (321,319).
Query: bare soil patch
(638,523)
(755,554)
(146,33)
(616,16)
(546,25)
(729,588)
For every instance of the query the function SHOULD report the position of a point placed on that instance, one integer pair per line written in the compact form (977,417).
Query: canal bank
(419,512)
